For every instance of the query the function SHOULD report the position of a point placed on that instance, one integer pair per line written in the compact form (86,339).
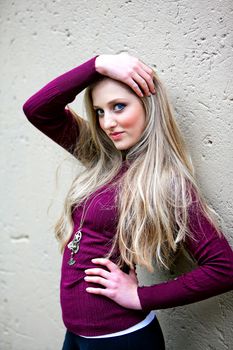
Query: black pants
(149,338)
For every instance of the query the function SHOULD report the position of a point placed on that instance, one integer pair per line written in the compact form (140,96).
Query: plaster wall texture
(190,44)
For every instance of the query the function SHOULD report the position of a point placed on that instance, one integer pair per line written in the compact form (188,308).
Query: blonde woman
(136,202)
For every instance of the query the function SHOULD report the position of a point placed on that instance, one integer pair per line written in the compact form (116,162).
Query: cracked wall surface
(190,44)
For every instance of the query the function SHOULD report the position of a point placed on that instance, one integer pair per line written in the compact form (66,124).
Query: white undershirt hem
(149,318)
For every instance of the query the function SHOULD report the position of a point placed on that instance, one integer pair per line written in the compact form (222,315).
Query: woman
(136,202)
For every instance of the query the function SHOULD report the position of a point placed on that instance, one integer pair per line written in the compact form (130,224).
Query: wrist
(99,65)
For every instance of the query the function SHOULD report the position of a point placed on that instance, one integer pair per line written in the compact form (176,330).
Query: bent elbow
(28,109)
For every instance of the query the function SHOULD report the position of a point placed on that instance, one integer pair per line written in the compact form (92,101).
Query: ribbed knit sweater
(91,315)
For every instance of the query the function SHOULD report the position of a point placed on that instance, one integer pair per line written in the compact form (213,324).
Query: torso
(85,313)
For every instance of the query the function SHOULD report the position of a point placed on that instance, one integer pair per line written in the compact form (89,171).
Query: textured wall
(190,43)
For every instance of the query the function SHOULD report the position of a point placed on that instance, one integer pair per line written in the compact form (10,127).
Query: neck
(124,154)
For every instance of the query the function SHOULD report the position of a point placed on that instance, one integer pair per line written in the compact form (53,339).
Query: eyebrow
(113,101)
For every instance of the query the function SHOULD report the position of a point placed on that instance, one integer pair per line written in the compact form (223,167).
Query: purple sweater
(89,314)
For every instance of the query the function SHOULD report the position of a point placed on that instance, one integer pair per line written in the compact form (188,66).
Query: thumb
(133,274)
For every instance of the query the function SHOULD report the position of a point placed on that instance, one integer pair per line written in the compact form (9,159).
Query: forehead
(109,89)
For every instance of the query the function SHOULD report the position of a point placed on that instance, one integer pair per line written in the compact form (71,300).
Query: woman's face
(120,112)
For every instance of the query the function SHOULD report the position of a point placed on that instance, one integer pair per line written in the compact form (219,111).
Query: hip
(148,337)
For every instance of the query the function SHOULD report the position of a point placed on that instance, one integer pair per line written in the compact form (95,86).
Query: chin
(122,148)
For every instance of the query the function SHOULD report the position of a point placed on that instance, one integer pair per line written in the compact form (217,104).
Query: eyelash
(122,104)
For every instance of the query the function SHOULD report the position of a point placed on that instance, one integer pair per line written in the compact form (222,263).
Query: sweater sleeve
(46,108)
(212,276)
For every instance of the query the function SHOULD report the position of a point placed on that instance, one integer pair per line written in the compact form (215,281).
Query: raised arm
(46,108)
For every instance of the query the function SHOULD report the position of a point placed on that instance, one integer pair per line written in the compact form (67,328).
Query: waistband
(149,318)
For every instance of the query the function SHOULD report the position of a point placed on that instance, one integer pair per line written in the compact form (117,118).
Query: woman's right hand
(127,69)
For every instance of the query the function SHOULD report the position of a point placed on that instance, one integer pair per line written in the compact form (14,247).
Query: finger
(134,86)
(141,82)
(147,68)
(100,291)
(148,78)
(98,280)
(98,272)
(106,262)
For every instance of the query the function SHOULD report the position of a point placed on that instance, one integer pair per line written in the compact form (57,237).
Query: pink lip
(116,135)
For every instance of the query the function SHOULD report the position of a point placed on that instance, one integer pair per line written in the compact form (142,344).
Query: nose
(108,120)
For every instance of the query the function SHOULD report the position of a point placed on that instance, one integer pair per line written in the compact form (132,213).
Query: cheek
(100,122)
(134,119)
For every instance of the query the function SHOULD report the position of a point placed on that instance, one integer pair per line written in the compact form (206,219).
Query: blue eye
(122,106)
(117,107)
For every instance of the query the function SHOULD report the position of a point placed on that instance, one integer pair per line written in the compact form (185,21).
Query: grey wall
(190,44)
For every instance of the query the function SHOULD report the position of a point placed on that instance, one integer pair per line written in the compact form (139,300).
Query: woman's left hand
(119,286)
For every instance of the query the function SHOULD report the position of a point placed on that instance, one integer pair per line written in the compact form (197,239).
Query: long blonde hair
(154,194)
